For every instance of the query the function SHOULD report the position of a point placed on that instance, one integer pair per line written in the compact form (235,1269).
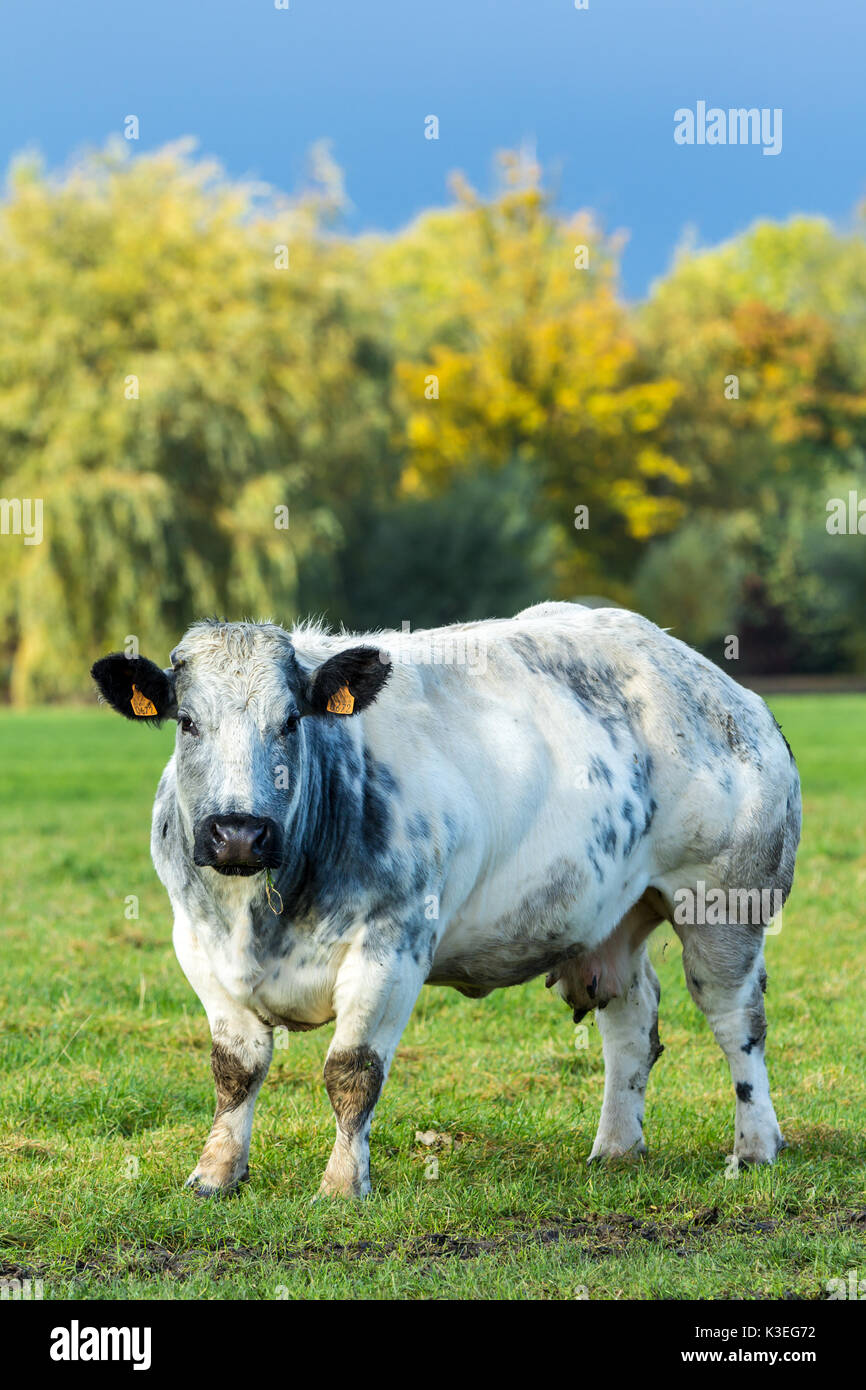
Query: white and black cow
(345,819)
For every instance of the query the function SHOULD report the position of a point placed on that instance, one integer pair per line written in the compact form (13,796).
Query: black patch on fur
(656,1047)
(605,836)
(233,1080)
(757,1019)
(361,669)
(117,673)
(635,831)
(597,687)
(418,827)
(596,867)
(744,1091)
(379,785)
(641,774)
(353,1080)
(627,813)
(599,771)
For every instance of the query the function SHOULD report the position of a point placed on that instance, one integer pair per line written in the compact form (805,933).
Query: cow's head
(241,696)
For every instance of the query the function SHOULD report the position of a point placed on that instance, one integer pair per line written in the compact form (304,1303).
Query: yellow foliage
(533,357)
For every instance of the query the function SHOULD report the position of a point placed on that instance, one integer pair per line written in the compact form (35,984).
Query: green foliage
(164,387)
(691,582)
(816,581)
(475,550)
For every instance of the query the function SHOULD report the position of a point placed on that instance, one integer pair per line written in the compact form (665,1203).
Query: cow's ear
(136,687)
(348,682)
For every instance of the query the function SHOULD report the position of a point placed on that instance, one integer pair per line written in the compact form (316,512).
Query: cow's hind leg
(617,980)
(630,1042)
(724,967)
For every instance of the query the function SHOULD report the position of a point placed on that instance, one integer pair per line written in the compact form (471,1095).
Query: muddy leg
(373,1000)
(240,1057)
(239,1062)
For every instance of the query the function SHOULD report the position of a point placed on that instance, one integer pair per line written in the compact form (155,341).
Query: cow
(346,818)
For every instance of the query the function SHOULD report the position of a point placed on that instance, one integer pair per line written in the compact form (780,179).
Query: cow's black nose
(234,841)
(240,839)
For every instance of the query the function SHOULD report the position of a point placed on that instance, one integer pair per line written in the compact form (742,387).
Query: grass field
(106,1092)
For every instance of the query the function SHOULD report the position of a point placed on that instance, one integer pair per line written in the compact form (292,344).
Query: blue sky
(595,91)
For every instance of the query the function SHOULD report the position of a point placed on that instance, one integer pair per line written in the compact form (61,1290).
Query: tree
(772,388)
(192,412)
(509,350)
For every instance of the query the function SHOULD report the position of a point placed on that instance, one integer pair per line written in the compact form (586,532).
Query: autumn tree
(766,336)
(513,347)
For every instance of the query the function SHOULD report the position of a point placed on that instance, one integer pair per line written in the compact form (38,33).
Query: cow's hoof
(216,1191)
(758,1151)
(760,1156)
(638,1150)
(349,1192)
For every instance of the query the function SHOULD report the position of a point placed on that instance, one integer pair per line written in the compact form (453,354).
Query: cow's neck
(340,824)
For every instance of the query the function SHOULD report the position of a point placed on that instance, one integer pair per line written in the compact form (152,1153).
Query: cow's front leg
(373,1000)
(240,1057)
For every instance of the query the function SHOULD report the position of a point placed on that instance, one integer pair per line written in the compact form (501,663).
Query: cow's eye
(188,726)
(291,724)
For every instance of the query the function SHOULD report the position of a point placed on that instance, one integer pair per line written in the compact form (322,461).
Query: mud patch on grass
(596,1238)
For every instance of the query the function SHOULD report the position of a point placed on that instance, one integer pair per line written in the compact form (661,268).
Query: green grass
(106,1094)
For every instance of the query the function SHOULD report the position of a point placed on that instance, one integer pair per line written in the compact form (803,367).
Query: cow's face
(240,697)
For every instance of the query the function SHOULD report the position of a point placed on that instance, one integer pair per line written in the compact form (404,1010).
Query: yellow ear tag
(342,701)
(140,703)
